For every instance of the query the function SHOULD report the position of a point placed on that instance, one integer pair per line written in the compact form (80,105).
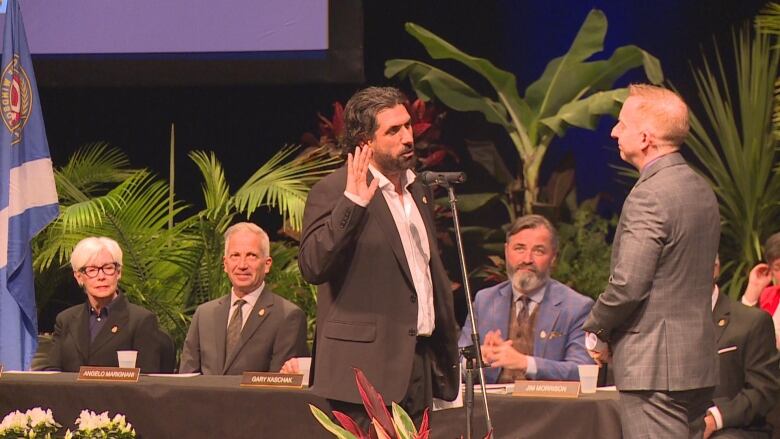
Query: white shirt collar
(250,298)
(715,292)
(384,181)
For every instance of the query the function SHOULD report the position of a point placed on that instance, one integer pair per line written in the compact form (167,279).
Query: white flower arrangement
(94,426)
(35,423)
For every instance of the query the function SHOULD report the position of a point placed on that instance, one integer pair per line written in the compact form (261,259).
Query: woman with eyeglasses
(90,334)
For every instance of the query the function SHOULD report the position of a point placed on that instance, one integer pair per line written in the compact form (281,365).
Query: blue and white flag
(28,197)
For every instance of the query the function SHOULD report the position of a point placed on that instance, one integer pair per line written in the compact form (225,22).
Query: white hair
(265,243)
(88,248)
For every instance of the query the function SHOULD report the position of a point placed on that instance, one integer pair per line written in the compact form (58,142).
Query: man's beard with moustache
(389,164)
(527,278)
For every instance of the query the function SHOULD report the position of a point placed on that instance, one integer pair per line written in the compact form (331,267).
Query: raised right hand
(357,171)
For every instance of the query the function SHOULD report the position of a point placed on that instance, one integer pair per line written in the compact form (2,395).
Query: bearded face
(393,143)
(527,277)
(529,258)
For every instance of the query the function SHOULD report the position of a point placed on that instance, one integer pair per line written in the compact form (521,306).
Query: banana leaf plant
(572,91)
(732,137)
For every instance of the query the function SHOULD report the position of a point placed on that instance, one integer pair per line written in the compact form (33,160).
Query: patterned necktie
(522,315)
(521,334)
(234,328)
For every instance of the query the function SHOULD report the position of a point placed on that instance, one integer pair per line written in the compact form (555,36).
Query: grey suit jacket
(656,311)
(266,342)
(749,365)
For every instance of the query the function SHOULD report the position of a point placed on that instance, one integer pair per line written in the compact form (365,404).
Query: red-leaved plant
(383,425)
(427,120)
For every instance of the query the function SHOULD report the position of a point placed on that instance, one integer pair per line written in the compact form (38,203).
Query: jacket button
(413,298)
(413,332)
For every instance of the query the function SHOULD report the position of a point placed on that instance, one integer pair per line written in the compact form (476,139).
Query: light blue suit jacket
(559,342)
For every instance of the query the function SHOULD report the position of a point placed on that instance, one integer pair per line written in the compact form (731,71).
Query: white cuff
(530,369)
(746,302)
(718,418)
(593,343)
(355,199)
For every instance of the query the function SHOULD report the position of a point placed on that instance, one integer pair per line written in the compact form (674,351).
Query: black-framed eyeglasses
(92,271)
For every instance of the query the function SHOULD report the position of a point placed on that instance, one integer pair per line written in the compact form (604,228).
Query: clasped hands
(497,352)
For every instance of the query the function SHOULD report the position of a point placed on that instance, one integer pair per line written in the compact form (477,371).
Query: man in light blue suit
(530,326)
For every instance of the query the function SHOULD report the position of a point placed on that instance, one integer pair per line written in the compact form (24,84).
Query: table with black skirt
(217,407)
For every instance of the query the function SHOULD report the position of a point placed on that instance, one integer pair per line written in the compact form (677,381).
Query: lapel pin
(114,329)
(722,322)
(261,312)
(425,199)
(543,334)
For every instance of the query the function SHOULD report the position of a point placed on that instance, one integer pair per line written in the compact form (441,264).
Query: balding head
(664,112)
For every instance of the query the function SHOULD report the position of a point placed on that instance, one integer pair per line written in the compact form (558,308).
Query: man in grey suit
(250,329)
(654,316)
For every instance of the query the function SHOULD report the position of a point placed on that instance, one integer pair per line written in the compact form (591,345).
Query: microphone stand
(472,354)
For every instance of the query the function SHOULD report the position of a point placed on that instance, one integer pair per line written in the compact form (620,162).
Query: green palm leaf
(283,185)
(216,193)
(734,143)
(91,167)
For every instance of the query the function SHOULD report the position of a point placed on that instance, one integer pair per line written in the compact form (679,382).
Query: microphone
(443,178)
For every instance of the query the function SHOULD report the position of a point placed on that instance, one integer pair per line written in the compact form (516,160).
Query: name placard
(547,389)
(271,379)
(95,373)
(1,370)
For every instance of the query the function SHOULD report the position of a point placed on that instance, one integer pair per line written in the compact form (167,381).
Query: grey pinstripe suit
(655,311)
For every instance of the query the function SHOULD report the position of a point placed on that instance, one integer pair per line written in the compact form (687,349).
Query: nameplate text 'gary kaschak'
(271,379)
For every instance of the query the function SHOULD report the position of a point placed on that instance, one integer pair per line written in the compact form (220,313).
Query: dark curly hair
(361,110)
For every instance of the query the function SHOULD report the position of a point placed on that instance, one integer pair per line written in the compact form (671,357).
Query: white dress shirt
(414,238)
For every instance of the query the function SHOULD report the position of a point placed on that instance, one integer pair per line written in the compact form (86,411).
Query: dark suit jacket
(128,327)
(749,365)
(366,301)
(266,342)
(656,310)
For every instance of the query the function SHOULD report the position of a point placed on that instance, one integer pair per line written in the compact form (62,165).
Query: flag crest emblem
(15,98)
